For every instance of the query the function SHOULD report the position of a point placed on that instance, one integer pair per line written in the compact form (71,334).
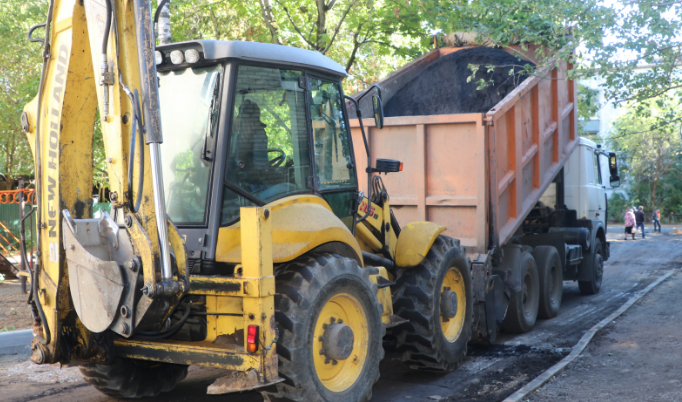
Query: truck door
(596,191)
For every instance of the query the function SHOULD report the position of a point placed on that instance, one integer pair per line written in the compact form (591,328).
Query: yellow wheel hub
(453,305)
(340,354)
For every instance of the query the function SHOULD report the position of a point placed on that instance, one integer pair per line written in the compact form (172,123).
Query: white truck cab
(586,176)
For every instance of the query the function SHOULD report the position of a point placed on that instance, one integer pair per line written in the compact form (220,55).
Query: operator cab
(245,124)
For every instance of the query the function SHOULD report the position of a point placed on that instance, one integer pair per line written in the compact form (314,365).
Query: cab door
(595,189)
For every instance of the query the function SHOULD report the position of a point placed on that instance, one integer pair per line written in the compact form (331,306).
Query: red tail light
(252,339)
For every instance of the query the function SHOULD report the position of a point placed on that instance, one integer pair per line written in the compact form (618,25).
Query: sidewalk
(635,358)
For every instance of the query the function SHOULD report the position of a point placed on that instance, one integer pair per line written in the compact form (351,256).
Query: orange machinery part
(478,174)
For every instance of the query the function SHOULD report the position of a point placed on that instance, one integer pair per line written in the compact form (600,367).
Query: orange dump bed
(478,174)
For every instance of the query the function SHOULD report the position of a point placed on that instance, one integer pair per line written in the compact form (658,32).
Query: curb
(581,345)
(16,342)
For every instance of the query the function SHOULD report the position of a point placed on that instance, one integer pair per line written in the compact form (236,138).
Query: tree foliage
(609,40)
(650,151)
(20,66)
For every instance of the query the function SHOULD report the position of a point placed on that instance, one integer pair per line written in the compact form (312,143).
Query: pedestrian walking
(629,223)
(639,218)
(656,219)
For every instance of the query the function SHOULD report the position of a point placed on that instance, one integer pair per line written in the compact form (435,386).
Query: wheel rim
(598,269)
(452,327)
(340,374)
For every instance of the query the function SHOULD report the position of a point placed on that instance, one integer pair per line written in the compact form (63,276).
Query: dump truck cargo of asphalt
(444,86)
(503,170)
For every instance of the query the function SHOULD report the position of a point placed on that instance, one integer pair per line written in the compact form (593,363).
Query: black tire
(592,286)
(523,304)
(128,378)
(417,298)
(304,287)
(550,274)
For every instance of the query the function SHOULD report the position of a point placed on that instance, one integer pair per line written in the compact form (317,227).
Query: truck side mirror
(613,170)
(378,107)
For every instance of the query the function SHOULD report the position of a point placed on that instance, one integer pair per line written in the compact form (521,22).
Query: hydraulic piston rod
(150,95)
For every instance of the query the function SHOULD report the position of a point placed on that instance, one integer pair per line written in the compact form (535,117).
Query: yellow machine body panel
(300,223)
(415,241)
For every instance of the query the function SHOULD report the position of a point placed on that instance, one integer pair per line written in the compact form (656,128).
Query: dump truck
(516,185)
(238,237)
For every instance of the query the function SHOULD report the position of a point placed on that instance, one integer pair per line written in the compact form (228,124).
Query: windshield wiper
(212,117)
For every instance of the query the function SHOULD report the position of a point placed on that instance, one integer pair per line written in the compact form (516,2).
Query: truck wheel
(551,277)
(523,304)
(593,286)
(128,378)
(329,321)
(435,297)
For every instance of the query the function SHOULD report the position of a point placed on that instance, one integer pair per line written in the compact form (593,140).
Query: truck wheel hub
(337,341)
(448,304)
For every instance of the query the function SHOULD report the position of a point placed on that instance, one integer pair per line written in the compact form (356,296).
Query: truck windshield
(189,107)
(269,155)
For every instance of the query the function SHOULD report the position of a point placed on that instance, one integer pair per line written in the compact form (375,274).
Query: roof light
(177,57)
(158,57)
(252,339)
(192,55)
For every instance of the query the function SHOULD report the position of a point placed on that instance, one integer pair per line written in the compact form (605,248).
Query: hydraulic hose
(131,157)
(157,13)
(107,28)
(172,330)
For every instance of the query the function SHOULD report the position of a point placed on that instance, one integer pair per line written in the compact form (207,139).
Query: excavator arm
(123,273)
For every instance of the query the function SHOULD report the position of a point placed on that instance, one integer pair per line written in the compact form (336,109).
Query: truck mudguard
(415,241)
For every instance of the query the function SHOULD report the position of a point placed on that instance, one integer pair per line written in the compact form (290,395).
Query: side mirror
(378,112)
(613,170)
(614,181)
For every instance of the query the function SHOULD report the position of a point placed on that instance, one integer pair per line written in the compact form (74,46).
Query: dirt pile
(676,231)
(442,87)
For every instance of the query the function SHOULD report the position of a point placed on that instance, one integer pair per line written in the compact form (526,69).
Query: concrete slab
(16,342)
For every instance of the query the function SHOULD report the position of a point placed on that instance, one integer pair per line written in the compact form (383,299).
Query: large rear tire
(523,304)
(436,298)
(322,301)
(593,285)
(550,273)
(128,378)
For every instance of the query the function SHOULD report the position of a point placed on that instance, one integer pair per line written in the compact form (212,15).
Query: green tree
(650,151)
(19,77)
(609,41)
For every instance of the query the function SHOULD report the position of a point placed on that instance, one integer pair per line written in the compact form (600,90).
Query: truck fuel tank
(580,236)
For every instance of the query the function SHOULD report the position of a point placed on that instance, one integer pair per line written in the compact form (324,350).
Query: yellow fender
(300,223)
(415,241)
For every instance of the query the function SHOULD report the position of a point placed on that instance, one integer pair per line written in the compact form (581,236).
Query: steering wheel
(279,159)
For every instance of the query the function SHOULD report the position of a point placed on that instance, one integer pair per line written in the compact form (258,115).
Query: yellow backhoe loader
(238,237)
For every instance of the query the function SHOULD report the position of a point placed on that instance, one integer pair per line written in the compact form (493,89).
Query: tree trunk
(321,24)
(164,30)
(266,12)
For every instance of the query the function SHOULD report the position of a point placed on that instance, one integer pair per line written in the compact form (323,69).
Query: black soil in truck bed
(442,88)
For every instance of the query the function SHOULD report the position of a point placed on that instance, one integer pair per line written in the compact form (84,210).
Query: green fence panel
(9,216)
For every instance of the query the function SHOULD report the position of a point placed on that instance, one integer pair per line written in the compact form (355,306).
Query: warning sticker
(54,252)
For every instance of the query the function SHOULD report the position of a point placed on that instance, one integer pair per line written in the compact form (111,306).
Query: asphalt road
(489,373)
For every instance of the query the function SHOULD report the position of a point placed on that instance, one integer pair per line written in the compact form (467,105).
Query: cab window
(269,155)
(333,159)
(188,122)
(597,170)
